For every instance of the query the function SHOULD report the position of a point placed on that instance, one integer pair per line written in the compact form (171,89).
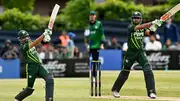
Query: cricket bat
(166,16)
(53,16)
(170,13)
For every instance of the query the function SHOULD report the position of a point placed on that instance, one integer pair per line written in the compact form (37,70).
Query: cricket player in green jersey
(96,38)
(135,52)
(34,66)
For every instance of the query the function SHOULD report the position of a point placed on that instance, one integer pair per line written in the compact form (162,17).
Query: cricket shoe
(152,96)
(116,94)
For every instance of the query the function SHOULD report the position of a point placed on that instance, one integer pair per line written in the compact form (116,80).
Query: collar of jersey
(92,23)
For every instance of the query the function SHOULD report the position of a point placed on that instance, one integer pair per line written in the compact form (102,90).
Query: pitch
(78,89)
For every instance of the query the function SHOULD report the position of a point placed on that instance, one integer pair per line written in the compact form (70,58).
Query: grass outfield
(77,89)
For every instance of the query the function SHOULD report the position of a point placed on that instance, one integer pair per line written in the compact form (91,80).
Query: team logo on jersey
(138,34)
(92,32)
(96,27)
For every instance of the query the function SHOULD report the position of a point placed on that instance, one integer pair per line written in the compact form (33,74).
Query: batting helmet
(22,34)
(136,15)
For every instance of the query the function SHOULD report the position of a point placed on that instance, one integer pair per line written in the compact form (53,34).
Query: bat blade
(53,16)
(171,12)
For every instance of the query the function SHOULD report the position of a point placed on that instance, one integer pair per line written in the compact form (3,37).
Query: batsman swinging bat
(53,16)
(170,12)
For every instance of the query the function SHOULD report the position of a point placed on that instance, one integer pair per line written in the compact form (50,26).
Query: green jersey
(96,35)
(30,54)
(135,38)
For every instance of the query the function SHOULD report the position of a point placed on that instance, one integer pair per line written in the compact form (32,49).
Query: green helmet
(23,35)
(136,15)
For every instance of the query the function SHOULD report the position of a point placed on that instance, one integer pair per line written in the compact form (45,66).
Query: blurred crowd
(9,51)
(66,48)
(58,52)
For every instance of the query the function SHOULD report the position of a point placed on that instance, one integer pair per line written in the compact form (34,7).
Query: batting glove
(47,32)
(47,38)
(153,28)
(157,22)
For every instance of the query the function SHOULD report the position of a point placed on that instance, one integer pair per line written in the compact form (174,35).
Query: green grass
(77,89)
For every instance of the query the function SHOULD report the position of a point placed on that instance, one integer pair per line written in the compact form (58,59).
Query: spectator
(41,51)
(56,53)
(177,46)
(10,54)
(71,45)
(154,44)
(107,43)
(8,51)
(77,53)
(114,44)
(15,49)
(146,40)
(168,45)
(6,47)
(63,53)
(64,38)
(171,31)
(50,53)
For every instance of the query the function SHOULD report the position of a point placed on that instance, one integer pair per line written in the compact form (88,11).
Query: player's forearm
(36,42)
(142,26)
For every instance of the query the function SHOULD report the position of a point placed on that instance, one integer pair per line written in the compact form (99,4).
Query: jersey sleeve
(131,28)
(25,47)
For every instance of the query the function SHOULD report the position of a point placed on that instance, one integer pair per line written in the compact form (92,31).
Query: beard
(92,21)
(25,40)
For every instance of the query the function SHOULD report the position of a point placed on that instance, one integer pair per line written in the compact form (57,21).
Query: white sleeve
(159,45)
(146,47)
(42,55)
(86,32)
